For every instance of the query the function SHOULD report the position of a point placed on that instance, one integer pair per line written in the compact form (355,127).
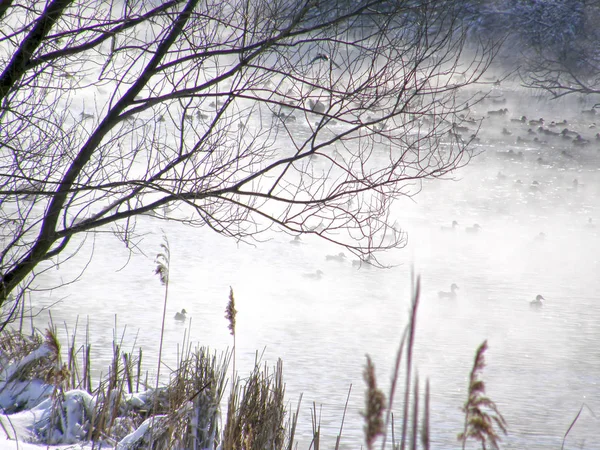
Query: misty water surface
(542,365)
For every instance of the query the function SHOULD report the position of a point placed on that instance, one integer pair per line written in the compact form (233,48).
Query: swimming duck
(451,294)
(536,123)
(580,142)
(340,257)
(574,185)
(360,264)
(450,228)
(548,132)
(535,186)
(537,303)
(317,106)
(460,129)
(474,229)
(590,223)
(523,119)
(296,241)
(314,276)
(181,316)
(567,132)
(499,112)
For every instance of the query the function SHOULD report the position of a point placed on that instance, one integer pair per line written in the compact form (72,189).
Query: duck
(296,241)
(536,123)
(540,237)
(499,112)
(451,294)
(181,316)
(567,132)
(506,132)
(537,303)
(460,129)
(362,263)
(317,107)
(474,229)
(450,228)
(522,119)
(548,132)
(201,116)
(535,186)
(574,185)
(580,142)
(340,257)
(314,276)
(590,223)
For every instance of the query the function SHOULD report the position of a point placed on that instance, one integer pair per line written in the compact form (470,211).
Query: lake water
(541,365)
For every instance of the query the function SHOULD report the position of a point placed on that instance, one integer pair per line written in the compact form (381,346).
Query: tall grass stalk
(316,427)
(481,413)
(407,342)
(425,428)
(230,314)
(293,423)
(409,352)
(256,412)
(339,436)
(574,422)
(163,261)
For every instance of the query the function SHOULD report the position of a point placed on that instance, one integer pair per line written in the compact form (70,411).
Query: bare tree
(561,43)
(310,116)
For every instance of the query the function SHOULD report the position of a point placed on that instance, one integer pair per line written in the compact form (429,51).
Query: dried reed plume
(479,423)
(163,262)
(375,406)
(230,313)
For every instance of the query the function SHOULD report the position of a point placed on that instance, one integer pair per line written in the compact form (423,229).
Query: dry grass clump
(127,410)
(481,414)
(14,346)
(183,414)
(256,412)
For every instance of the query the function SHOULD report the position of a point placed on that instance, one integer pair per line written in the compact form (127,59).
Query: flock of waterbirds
(532,140)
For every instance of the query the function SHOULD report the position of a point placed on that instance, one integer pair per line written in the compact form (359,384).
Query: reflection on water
(536,204)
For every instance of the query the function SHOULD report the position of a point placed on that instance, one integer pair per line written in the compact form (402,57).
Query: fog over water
(539,234)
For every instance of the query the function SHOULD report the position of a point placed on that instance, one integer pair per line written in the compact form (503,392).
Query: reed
(256,411)
(375,406)
(409,435)
(185,412)
(482,416)
(230,314)
(163,261)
